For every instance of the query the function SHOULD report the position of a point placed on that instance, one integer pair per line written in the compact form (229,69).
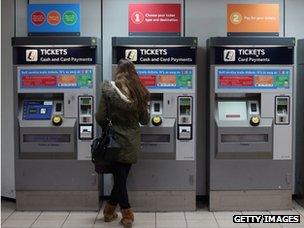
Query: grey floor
(198,219)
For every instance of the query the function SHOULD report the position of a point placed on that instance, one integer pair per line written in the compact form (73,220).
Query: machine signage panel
(55,78)
(55,55)
(262,19)
(53,18)
(249,55)
(154,19)
(253,78)
(159,55)
(166,78)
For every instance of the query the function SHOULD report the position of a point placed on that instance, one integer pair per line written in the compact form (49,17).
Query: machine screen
(37,110)
(166,78)
(232,110)
(253,78)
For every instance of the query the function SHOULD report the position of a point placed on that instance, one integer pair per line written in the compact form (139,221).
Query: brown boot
(127,217)
(109,213)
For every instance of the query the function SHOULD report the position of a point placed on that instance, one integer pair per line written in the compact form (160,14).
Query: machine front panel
(64,94)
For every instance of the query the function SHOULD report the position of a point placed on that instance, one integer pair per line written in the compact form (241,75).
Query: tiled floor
(10,218)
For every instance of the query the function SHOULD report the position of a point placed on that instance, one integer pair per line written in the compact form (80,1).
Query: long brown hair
(126,76)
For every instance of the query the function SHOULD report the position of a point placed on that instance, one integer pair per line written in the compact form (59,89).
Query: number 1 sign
(154,19)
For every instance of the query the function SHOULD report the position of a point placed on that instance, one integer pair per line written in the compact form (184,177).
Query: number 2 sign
(253,18)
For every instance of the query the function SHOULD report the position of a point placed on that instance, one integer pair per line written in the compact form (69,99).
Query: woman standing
(128,101)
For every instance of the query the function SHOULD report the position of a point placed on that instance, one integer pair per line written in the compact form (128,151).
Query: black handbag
(105,149)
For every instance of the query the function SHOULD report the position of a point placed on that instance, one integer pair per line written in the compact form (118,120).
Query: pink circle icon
(137,17)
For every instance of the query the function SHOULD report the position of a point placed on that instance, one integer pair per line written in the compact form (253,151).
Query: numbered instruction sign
(155,19)
(253,19)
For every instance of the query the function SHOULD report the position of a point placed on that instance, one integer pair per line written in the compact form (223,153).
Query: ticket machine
(56,81)
(164,178)
(250,123)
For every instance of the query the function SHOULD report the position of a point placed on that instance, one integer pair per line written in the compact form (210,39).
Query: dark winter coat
(125,119)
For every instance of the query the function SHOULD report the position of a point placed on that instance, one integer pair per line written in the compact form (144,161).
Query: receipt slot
(250,123)
(56,80)
(167,67)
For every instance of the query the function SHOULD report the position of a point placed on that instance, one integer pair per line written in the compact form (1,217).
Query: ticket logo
(131,54)
(229,55)
(31,55)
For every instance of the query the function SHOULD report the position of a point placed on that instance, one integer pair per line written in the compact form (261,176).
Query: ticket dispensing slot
(241,132)
(185,108)
(85,117)
(282,110)
(159,135)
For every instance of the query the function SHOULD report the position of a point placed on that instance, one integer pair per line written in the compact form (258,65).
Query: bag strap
(108,111)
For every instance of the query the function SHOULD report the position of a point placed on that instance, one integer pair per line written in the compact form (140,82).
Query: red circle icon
(38,18)
(54,17)
(137,17)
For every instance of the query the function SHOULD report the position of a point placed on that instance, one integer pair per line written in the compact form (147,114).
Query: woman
(128,101)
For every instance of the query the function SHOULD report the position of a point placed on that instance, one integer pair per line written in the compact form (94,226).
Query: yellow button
(156,120)
(57,120)
(255,120)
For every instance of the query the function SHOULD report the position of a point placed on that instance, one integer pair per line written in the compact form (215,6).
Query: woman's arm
(144,117)
(100,115)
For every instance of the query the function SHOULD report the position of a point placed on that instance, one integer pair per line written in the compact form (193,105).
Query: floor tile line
(96,218)
(66,219)
(155,219)
(8,216)
(218,225)
(36,219)
(186,219)
(277,223)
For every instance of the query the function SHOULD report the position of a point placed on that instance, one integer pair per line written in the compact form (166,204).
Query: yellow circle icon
(236,18)
(156,120)
(57,120)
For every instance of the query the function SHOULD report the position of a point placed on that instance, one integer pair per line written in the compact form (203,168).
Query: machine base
(162,200)
(300,200)
(57,200)
(251,200)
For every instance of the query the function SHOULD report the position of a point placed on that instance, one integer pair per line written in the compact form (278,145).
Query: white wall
(294,28)
(7,131)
